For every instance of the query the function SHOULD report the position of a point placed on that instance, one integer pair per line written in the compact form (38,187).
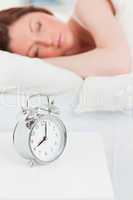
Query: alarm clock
(40,135)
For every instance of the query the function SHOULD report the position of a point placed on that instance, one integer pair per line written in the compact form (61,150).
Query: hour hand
(44,138)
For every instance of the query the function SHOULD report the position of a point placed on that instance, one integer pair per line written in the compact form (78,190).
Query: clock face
(47,139)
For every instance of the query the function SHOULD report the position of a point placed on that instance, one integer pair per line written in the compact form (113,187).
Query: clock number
(43,122)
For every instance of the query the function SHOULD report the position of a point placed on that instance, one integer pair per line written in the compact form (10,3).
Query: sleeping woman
(90,43)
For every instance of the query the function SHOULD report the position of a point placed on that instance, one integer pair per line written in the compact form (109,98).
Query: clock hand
(45,137)
(46,130)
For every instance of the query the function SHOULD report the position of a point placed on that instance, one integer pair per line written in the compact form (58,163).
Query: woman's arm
(98,62)
(111,56)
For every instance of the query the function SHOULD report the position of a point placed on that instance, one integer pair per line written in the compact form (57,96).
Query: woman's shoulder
(97,16)
(89,8)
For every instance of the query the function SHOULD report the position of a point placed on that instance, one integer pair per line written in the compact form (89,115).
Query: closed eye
(36,52)
(35,27)
(38,26)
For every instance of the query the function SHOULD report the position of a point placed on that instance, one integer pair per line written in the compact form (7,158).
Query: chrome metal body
(24,128)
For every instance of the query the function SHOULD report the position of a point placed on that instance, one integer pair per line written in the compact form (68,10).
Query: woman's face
(37,34)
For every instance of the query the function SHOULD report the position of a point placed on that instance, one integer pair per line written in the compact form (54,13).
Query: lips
(59,41)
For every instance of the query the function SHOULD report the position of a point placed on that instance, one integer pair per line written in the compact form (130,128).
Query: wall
(10,3)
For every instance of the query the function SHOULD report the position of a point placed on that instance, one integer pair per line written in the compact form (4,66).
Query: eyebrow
(30,27)
(29,49)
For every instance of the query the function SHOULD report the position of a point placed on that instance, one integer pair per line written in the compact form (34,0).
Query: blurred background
(8,3)
(63,7)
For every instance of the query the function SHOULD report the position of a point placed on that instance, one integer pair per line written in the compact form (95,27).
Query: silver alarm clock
(39,135)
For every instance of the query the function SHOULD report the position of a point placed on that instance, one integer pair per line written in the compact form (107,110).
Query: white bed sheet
(79,175)
(116,129)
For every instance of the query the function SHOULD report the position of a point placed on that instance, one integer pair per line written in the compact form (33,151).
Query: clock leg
(31,163)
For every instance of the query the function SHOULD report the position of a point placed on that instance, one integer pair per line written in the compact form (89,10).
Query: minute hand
(46,130)
(45,137)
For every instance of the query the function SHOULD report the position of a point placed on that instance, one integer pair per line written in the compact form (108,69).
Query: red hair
(112,7)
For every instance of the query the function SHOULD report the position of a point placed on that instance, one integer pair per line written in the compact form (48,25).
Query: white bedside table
(80,173)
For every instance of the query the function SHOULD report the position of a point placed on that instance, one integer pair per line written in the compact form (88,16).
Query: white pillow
(32,75)
(113,93)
